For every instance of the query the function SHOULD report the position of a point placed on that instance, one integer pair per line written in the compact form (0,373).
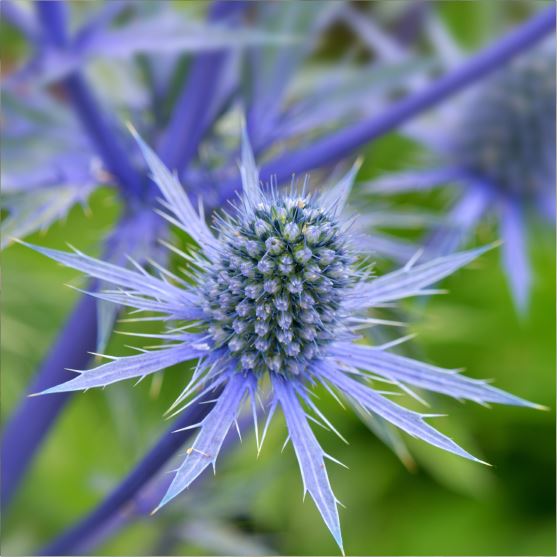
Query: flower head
(275,294)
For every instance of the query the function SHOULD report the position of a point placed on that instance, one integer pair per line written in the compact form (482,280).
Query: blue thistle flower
(274,296)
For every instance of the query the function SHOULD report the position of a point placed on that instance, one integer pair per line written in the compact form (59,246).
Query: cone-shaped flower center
(507,133)
(274,297)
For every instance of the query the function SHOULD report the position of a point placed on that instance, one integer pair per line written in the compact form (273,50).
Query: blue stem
(189,121)
(153,462)
(53,17)
(181,138)
(35,416)
(101,131)
(103,135)
(337,145)
(151,495)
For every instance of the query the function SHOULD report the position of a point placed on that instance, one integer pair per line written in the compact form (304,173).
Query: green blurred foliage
(446,506)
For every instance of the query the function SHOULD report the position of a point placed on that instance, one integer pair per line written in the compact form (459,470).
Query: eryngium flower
(276,295)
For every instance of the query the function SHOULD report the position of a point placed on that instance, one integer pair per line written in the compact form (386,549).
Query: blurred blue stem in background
(52,16)
(54,22)
(146,499)
(170,442)
(190,118)
(332,148)
(33,417)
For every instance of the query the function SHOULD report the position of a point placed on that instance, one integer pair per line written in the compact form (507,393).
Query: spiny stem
(152,463)
(332,148)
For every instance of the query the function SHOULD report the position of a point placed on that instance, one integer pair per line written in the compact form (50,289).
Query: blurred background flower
(497,142)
